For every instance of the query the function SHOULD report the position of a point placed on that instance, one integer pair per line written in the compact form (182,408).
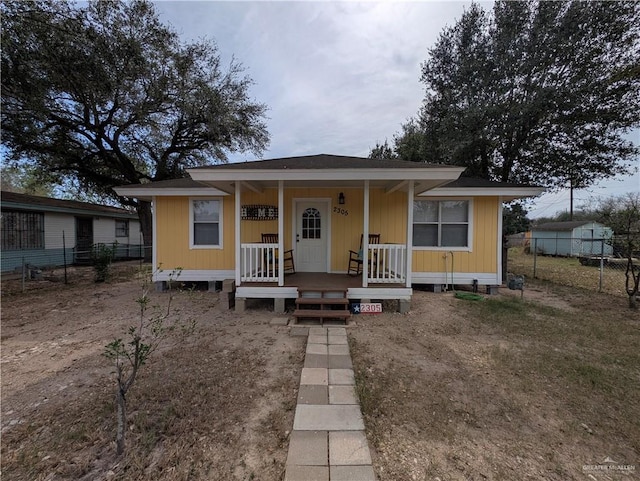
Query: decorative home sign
(259,212)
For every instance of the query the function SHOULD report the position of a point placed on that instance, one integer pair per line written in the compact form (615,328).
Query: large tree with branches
(534,91)
(105,94)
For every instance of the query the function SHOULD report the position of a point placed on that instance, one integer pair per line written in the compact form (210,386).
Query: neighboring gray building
(572,238)
(33,227)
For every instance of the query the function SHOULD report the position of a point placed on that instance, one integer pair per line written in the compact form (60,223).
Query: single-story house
(572,238)
(43,232)
(430,226)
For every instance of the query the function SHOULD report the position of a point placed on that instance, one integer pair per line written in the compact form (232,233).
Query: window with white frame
(206,225)
(441,223)
(122,228)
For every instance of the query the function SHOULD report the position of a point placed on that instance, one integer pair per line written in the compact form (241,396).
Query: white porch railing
(258,262)
(387,263)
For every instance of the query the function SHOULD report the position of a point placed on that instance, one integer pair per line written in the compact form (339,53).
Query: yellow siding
(388,215)
(172,243)
(483,256)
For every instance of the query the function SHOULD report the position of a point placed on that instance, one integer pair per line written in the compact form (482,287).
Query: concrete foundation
(161,286)
(229,285)
(278,305)
(492,290)
(241,304)
(404,306)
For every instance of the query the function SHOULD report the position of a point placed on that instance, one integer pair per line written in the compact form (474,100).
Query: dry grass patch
(217,404)
(568,271)
(500,389)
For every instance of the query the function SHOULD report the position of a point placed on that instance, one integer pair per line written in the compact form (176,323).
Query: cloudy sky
(337,76)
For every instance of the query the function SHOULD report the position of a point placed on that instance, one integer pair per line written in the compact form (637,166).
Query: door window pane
(311,224)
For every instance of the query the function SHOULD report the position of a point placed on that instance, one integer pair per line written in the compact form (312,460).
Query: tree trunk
(146,226)
(122,421)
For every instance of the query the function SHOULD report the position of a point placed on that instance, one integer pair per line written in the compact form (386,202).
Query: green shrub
(102,256)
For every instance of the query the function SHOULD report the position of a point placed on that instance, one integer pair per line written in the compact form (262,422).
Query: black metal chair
(356,258)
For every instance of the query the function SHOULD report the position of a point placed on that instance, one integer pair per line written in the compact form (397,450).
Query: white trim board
(194,275)
(485,278)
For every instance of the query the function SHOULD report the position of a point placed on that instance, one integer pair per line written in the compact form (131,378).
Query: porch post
(410,195)
(237,234)
(280,233)
(365,237)
(501,247)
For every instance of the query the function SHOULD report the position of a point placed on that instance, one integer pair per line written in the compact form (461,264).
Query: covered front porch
(319,282)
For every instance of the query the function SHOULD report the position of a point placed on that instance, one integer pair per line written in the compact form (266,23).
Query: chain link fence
(29,269)
(593,264)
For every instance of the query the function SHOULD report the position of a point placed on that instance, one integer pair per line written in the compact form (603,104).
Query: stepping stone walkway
(328,442)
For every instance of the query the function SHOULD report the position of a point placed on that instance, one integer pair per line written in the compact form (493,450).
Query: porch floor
(321,280)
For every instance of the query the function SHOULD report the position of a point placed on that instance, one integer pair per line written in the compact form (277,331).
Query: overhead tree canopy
(540,92)
(106,95)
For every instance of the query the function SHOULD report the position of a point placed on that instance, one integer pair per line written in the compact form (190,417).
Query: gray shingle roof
(322,161)
(46,203)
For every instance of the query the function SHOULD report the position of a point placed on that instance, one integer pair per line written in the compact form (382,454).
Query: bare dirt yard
(500,389)
(215,405)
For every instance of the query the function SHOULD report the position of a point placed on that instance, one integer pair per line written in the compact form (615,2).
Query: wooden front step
(322,304)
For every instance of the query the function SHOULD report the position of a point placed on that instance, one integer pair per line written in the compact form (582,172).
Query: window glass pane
(206,234)
(425,211)
(454,211)
(122,228)
(206,210)
(425,235)
(454,235)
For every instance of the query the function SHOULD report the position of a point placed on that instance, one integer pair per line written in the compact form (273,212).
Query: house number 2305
(338,210)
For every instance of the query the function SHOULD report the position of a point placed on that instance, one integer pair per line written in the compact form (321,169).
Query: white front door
(312,235)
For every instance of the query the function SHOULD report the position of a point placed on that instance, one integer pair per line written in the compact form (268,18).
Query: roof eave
(432,173)
(8,205)
(507,193)
(143,193)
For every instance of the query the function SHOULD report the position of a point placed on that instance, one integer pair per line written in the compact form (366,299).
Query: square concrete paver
(311,417)
(340,362)
(342,395)
(308,448)
(299,331)
(318,331)
(307,473)
(348,448)
(317,349)
(341,376)
(313,394)
(352,473)
(279,321)
(314,375)
(337,331)
(316,360)
(339,349)
(340,340)
(317,339)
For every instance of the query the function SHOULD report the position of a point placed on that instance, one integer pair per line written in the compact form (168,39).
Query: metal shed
(572,238)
